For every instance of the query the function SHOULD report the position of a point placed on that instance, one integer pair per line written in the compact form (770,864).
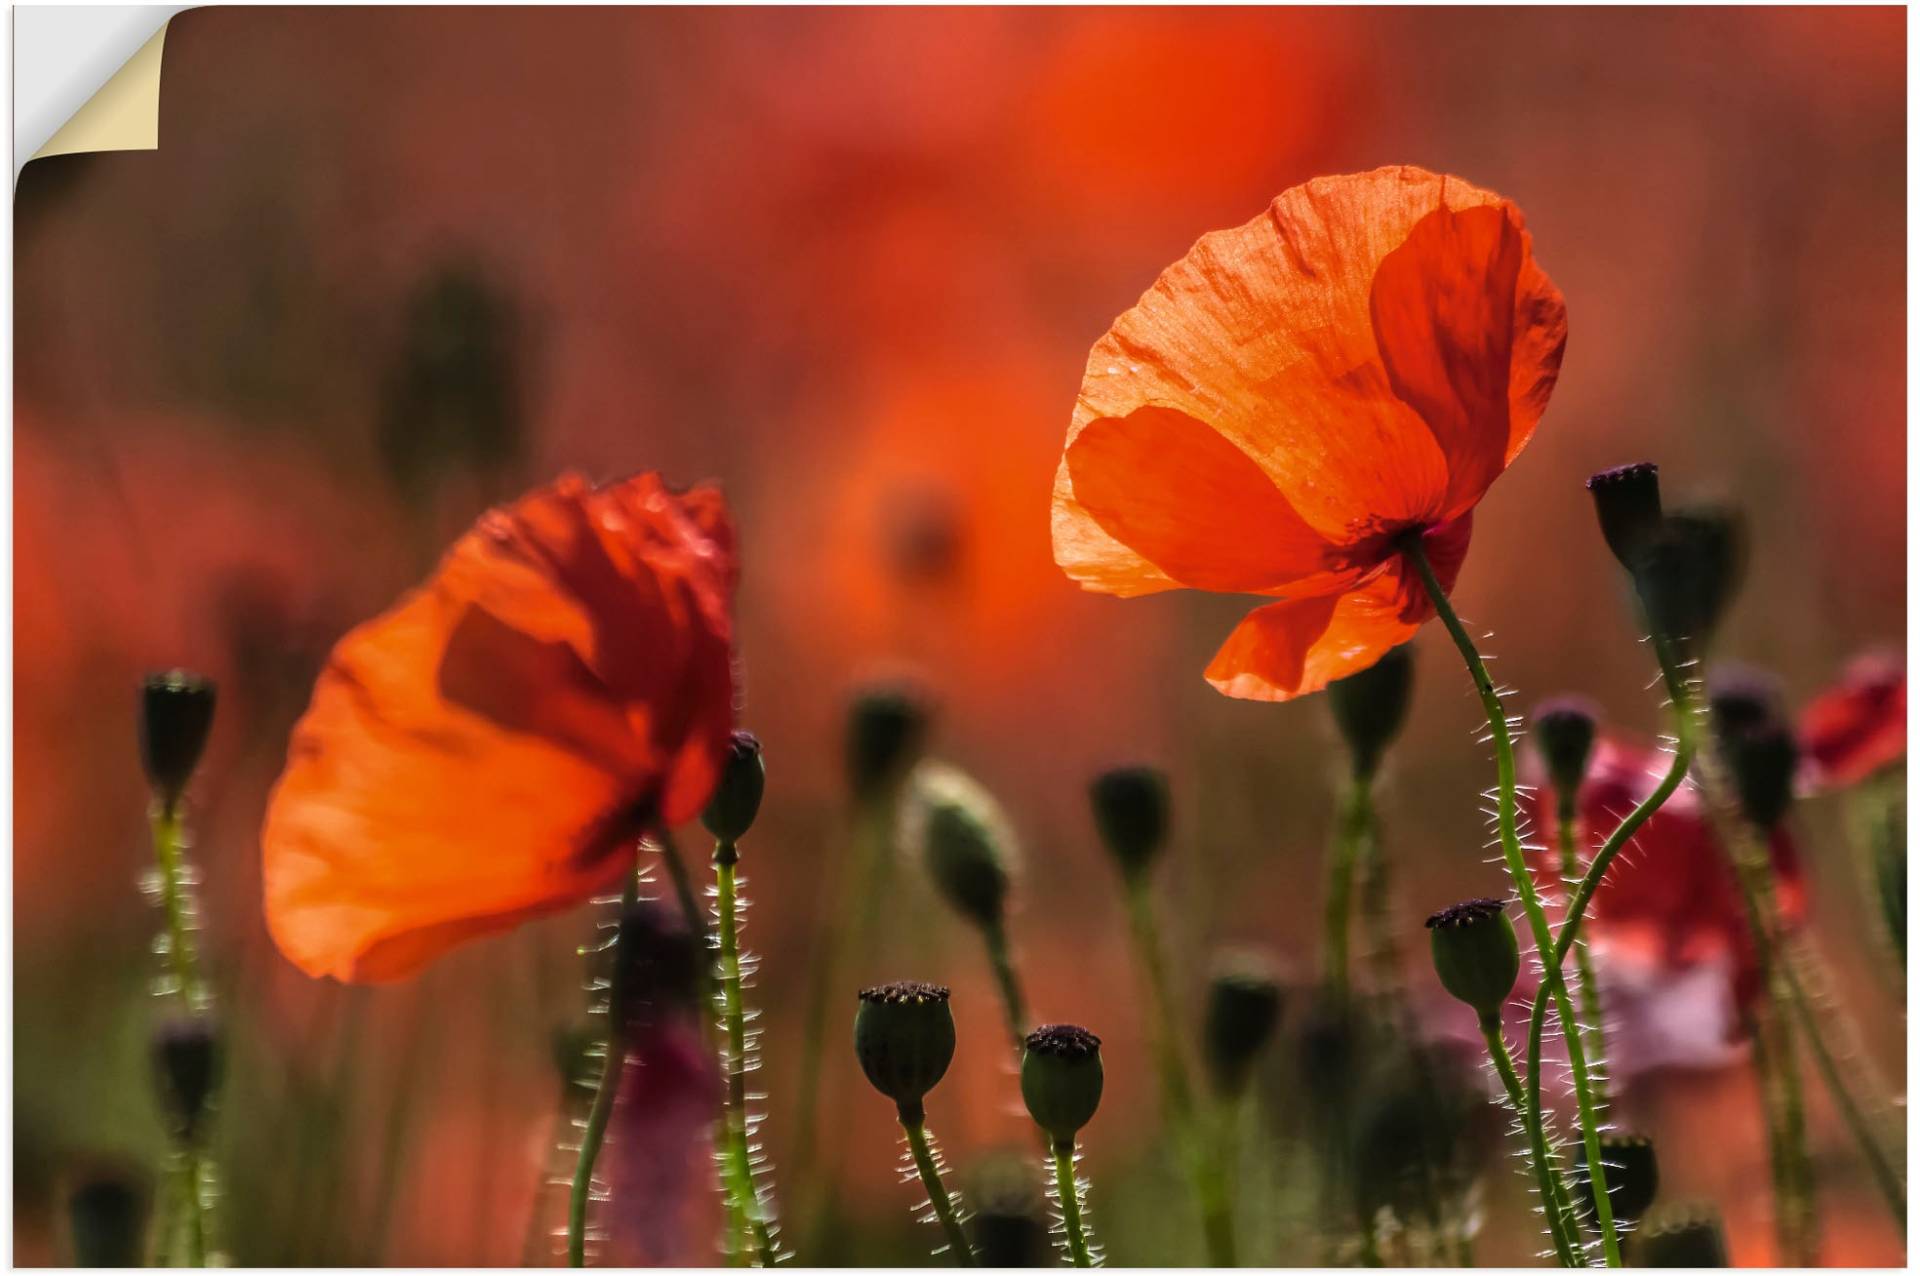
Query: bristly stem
(1335,928)
(924,1160)
(739,1156)
(1553,1196)
(1592,1024)
(595,1132)
(1508,818)
(196,1173)
(1204,1169)
(1013,1001)
(1067,1187)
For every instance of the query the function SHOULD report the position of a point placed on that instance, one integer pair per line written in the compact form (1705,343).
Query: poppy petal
(479,754)
(1265,333)
(1290,649)
(1471,334)
(1190,503)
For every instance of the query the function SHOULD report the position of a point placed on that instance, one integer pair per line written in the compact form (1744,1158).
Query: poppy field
(968,637)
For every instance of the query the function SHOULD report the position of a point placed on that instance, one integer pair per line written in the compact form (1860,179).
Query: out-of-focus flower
(1293,399)
(1669,900)
(479,754)
(1859,725)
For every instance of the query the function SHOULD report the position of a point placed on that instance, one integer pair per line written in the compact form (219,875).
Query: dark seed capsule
(1627,501)
(886,732)
(743,782)
(1763,762)
(1681,1236)
(187,1060)
(176,715)
(903,1035)
(1243,1009)
(107,1211)
(1633,1174)
(1130,808)
(1009,1222)
(1370,707)
(1563,731)
(963,842)
(1476,953)
(1689,571)
(1061,1078)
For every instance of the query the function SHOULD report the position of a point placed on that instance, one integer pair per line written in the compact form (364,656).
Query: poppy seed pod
(1742,698)
(1476,953)
(736,799)
(186,1065)
(903,1034)
(1689,571)
(1683,1236)
(886,732)
(107,1211)
(1563,731)
(1130,809)
(1243,1009)
(958,829)
(1633,1174)
(1061,1078)
(176,714)
(1328,1040)
(1763,761)
(1627,500)
(1009,1224)
(1371,706)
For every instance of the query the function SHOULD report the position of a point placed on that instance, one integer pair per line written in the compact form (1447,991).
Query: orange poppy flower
(485,751)
(1356,364)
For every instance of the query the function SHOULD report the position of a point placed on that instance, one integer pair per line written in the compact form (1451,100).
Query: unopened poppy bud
(656,967)
(186,1065)
(1627,499)
(1009,1224)
(176,714)
(1371,706)
(107,1211)
(1476,953)
(1633,1174)
(1741,698)
(1682,1236)
(961,834)
(903,1034)
(1061,1078)
(1411,1124)
(736,799)
(1328,1042)
(1243,1009)
(1763,761)
(1563,730)
(1690,570)
(1130,810)
(886,732)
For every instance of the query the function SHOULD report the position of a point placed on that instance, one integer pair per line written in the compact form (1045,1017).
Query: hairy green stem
(1335,927)
(745,1201)
(1204,1169)
(1591,1026)
(1508,805)
(595,1132)
(1067,1188)
(1552,1192)
(1013,1001)
(167,825)
(914,1122)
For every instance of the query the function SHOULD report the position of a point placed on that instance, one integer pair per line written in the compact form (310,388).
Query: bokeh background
(388,266)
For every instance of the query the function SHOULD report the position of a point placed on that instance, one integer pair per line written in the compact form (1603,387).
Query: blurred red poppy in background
(1296,395)
(480,754)
(1858,725)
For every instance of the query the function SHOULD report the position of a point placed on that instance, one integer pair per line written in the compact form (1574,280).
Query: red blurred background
(849,264)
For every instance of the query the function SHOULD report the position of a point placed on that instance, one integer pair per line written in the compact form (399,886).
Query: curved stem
(1562,1203)
(1508,804)
(1012,1000)
(1335,927)
(1067,1187)
(929,1167)
(1591,1025)
(1552,1193)
(595,1133)
(745,1199)
(1176,1089)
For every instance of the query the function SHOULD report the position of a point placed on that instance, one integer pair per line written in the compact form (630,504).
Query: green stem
(1508,805)
(595,1132)
(1562,1203)
(1204,1171)
(1794,1210)
(1591,1025)
(914,1122)
(739,1158)
(1067,1188)
(1553,1194)
(1012,1000)
(168,828)
(1334,946)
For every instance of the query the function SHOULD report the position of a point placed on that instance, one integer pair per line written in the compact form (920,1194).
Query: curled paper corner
(123,114)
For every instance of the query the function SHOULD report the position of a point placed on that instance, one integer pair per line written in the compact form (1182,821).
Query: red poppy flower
(1356,364)
(483,752)
(1670,898)
(1860,725)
